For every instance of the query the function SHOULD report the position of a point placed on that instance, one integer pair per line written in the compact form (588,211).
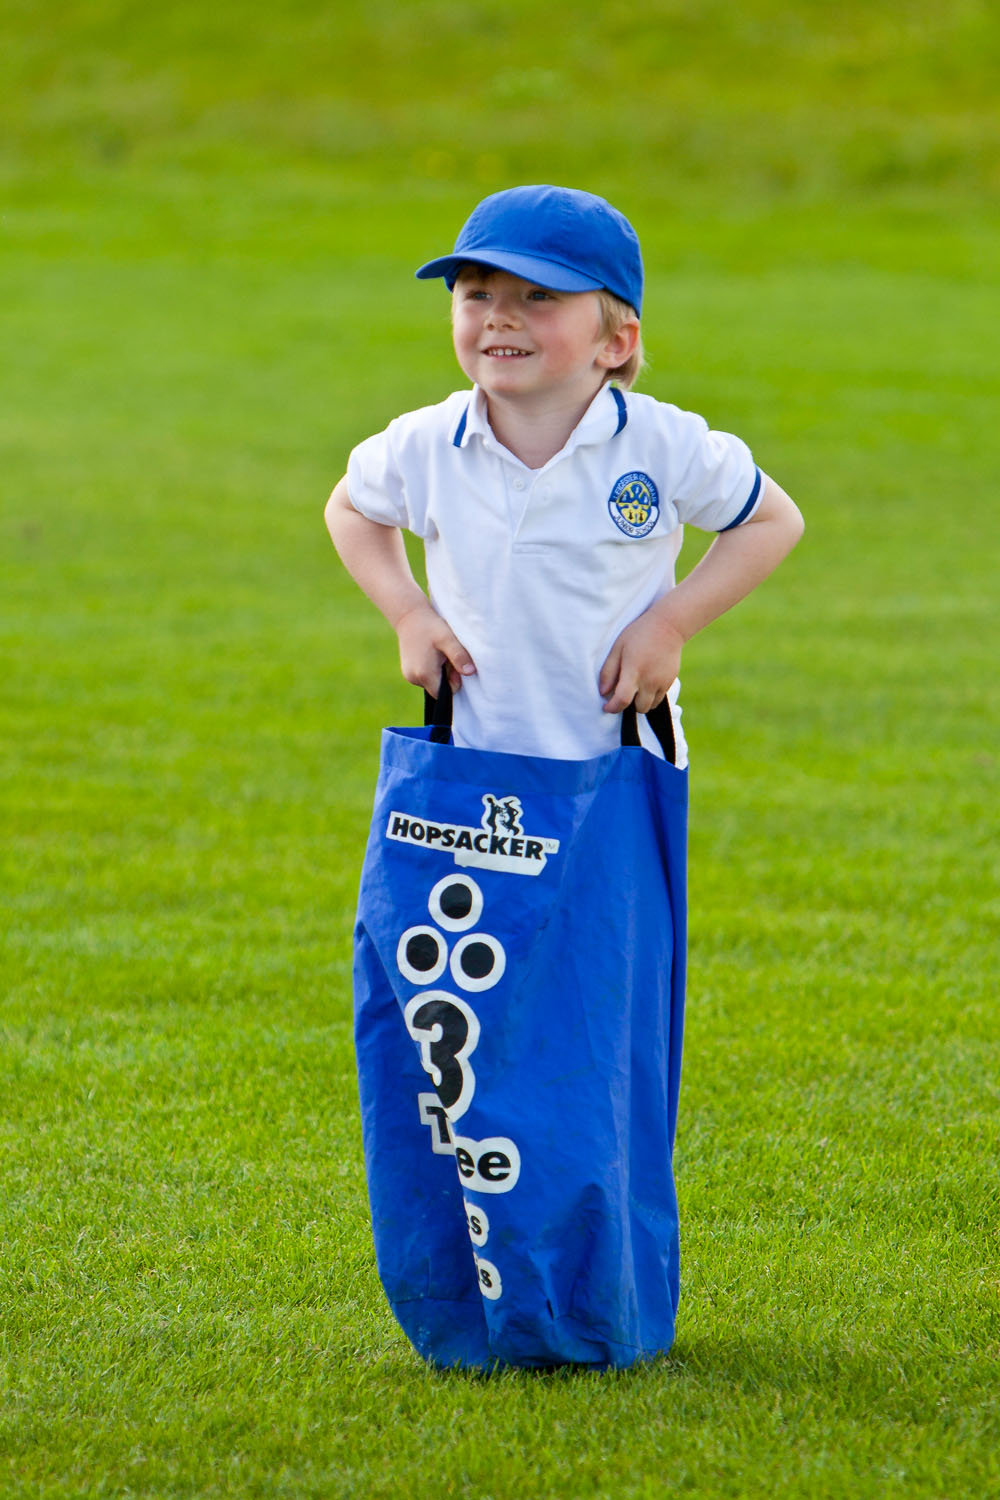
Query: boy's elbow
(330,511)
(793,525)
(783,509)
(338,503)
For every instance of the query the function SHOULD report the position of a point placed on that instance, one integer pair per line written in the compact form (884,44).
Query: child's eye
(537,294)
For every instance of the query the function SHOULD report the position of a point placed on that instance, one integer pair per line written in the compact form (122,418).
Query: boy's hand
(426,641)
(642,665)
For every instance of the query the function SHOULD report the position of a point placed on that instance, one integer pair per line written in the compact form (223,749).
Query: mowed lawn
(191,701)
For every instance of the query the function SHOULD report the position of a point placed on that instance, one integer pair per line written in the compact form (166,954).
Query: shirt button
(519,484)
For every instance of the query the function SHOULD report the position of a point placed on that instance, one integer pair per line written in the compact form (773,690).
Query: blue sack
(519,997)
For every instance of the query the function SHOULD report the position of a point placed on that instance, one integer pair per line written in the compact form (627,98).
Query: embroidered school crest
(634,504)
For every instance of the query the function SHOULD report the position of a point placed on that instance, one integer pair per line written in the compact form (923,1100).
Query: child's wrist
(404,616)
(669,626)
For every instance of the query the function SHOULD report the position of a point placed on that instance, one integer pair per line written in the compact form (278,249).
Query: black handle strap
(660,721)
(437,715)
(437,711)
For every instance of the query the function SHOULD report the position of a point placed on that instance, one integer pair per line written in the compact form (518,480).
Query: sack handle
(437,711)
(437,716)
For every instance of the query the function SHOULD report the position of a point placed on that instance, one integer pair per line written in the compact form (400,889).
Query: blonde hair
(615,312)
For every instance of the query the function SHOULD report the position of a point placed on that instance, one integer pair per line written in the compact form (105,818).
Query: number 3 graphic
(447,1031)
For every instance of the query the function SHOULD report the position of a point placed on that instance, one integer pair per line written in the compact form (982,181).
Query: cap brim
(546,273)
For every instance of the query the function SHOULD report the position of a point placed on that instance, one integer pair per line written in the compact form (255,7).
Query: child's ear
(620,346)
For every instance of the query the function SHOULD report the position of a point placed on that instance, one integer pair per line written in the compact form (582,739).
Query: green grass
(209,224)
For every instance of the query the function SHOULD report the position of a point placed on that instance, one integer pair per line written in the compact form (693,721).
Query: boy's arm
(376,559)
(645,659)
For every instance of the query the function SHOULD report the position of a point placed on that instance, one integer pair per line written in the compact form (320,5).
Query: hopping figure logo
(502,815)
(634,504)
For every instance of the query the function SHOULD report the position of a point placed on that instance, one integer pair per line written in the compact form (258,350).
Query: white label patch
(498,843)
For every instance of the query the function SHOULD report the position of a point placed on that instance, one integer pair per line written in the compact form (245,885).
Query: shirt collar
(604,418)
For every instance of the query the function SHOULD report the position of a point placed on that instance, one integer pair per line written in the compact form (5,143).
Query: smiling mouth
(502,352)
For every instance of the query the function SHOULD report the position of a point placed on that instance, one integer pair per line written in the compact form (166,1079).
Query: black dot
(477,960)
(422,952)
(456,901)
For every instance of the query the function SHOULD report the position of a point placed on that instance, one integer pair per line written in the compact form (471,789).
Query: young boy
(551,504)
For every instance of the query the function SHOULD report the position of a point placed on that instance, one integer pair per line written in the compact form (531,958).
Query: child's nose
(503,311)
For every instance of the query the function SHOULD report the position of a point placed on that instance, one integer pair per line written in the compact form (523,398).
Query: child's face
(517,339)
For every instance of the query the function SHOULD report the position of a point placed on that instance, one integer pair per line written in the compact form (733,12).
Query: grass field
(210,219)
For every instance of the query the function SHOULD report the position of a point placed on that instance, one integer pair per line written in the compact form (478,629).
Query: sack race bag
(519,997)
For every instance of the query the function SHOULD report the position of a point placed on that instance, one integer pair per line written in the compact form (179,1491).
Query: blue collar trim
(619,399)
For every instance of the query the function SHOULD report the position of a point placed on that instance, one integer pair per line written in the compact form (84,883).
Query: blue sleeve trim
(622,409)
(460,429)
(758,481)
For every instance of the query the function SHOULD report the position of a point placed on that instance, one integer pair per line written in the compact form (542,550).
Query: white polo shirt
(538,571)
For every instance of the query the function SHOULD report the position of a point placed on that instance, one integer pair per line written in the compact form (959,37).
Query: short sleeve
(718,486)
(375,481)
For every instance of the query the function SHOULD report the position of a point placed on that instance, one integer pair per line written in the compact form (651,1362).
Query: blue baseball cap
(561,238)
